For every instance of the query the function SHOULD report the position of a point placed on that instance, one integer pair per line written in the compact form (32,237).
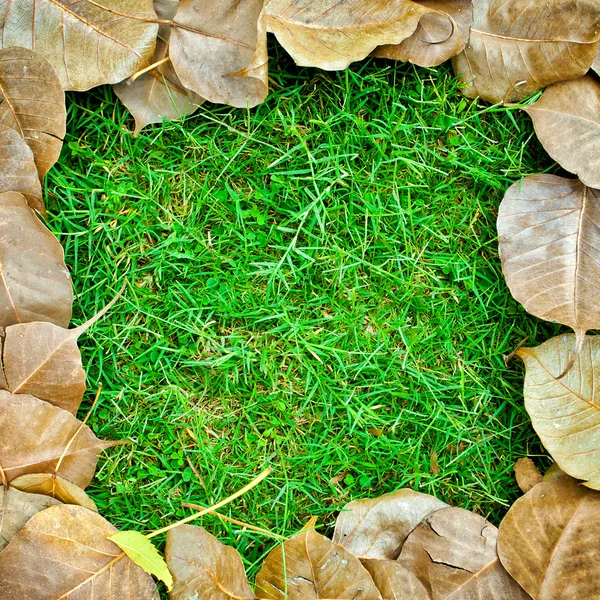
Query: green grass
(312,285)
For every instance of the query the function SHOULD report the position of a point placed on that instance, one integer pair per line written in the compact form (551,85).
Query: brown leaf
(16,508)
(55,486)
(441,34)
(549,244)
(394,581)
(596,63)
(567,122)
(377,527)
(202,567)
(453,554)
(34,282)
(88,43)
(313,567)
(63,552)
(549,541)
(518,47)
(565,412)
(553,472)
(330,34)
(527,474)
(219,50)
(34,435)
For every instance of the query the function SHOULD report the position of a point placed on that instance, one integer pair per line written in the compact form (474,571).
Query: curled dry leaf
(527,474)
(565,412)
(395,581)
(202,567)
(309,565)
(330,35)
(549,541)
(518,47)
(377,527)
(567,122)
(453,553)
(63,552)
(549,243)
(440,35)
(88,43)
(219,50)
(35,434)
(35,283)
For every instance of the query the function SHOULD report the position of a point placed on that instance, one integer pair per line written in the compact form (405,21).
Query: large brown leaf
(309,565)
(88,43)
(377,527)
(219,50)
(441,34)
(453,554)
(549,541)
(330,34)
(63,552)
(34,282)
(565,412)
(203,568)
(34,435)
(549,242)
(394,581)
(567,122)
(518,46)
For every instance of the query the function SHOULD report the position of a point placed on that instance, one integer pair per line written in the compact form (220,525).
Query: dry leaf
(567,122)
(88,43)
(34,435)
(549,541)
(440,35)
(553,472)
(596,63)
(219,50)
(35,284)
(377,527)
(309,565)
(549,242)
(16,508)
(565,412)
(394,581)
(518,47)
(453,554)
(330,34)
(202,567)
(527,474)
(63,552)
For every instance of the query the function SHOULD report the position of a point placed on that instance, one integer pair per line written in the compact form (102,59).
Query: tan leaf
(518,47)
(565,412)
(34,282)
(63,552)
(549,242)
(16,508)
(202,567)
(553,472)
(34,435)
(330,34)
(567,122)
(596,63)
(440,35)
(55,486)
(219,50)
(394,581)
(527,474)
(377,527)
(309,565)
(88,43)
(453,554)
(549,541)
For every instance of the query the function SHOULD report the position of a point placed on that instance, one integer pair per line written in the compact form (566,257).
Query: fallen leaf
(440,35)
(453,554)
(565,412)
(63,552)
(518,47)
(549,541)
(527,474)
(202,567)
(567,122)
(596,63)
(330,34)
(553,472)
(377,527)
(394,581)
(309,565)
(88,43)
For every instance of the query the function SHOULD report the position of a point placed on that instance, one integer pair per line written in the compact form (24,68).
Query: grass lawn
(313,285)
